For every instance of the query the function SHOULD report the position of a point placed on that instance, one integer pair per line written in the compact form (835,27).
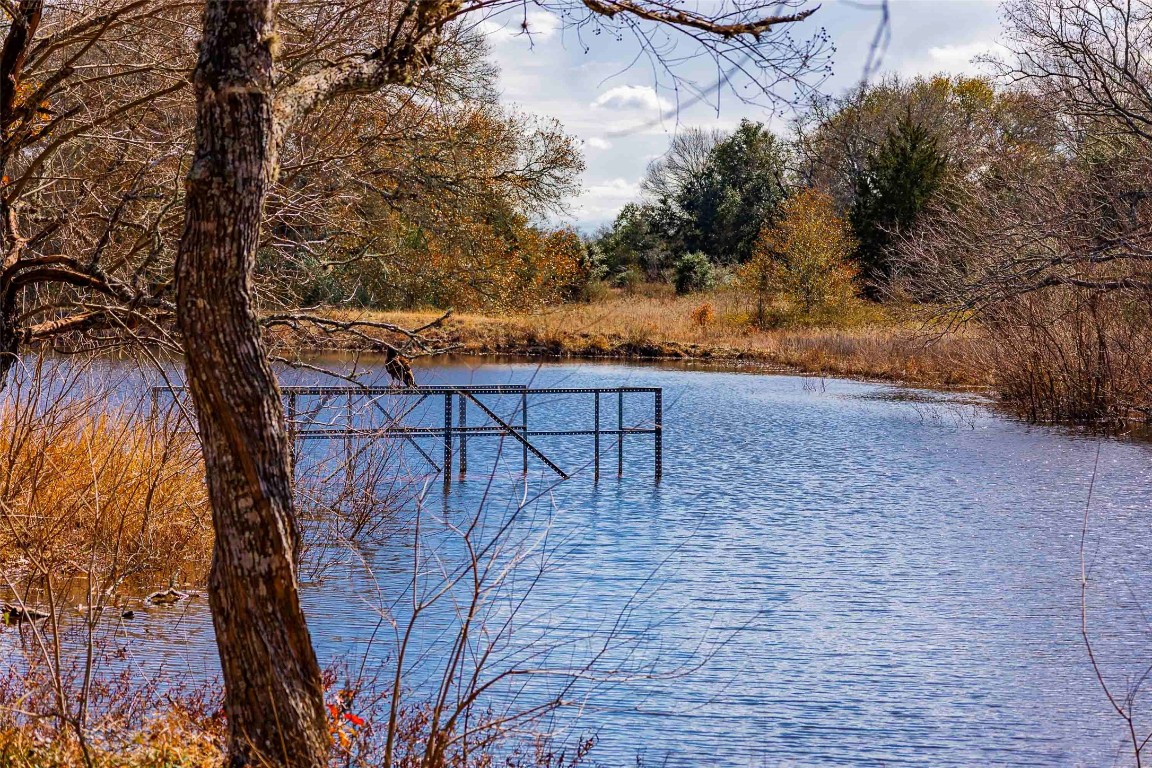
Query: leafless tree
(96,114)
(90,131)
(1092,56)
(1048,251)
(1055,223)
(1083,209)
(685,160)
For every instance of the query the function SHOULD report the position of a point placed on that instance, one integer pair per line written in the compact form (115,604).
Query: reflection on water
(840,574)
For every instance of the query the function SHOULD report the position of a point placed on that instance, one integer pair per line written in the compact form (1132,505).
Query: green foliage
(723,209)
(694,272)
(895,186)
(637,239)
(709,194)
(594,262)
(630,280)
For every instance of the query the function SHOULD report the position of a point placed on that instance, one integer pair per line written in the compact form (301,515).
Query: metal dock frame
(462,432)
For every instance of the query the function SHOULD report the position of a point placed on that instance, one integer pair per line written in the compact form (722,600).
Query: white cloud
(955,59)
(601,202)
(632,97)
(598,143)
(960,57)
(620,188)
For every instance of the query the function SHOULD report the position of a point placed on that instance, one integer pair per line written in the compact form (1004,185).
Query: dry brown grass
(131,730)
(91,492)
(861,339)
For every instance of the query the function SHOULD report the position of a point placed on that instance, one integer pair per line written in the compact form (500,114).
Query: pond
(830,572)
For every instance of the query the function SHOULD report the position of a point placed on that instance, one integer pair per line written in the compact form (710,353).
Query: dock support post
(524,408)
(463,437)
(659,427)
(349,475)
(292,418)
(620,433)
(596,438)
(292,430)
(447,438)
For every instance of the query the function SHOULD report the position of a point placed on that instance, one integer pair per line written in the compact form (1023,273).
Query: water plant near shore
(90,490)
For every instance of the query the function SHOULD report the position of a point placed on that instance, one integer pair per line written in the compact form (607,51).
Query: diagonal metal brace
(512,431)
(416,445)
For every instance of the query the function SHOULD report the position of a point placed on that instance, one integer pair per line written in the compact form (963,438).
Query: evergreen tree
(636,240)
(724,208)
(896,184)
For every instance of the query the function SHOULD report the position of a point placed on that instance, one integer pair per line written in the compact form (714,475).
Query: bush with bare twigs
(103,498)
(134,724)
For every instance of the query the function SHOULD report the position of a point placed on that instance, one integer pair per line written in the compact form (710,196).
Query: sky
(624,111)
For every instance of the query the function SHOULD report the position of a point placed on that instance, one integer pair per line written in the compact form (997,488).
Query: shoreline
(895,353)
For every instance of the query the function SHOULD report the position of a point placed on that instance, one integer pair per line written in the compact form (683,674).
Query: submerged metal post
(596,438)
(463,437)
(620,433)
(524,408)
(348,474)
(447,438)
(293,444)
(659,436)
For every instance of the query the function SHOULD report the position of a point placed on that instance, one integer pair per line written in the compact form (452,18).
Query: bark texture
(274,699)
(13,54)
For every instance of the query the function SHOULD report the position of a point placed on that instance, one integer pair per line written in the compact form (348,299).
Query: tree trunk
(9,345)
(25,21)
(273,695)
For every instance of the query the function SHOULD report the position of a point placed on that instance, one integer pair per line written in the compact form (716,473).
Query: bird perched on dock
(398,368)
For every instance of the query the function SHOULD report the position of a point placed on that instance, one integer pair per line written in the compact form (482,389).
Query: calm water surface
(830,573)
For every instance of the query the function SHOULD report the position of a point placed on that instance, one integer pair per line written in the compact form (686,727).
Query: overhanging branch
(665,14)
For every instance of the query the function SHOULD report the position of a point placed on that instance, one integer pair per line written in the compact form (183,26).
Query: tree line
(1012,207)
(868,163)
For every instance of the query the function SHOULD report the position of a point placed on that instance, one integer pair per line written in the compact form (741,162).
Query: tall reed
(87,489)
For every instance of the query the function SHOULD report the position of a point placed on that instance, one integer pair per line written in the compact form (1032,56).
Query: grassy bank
(864,341)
